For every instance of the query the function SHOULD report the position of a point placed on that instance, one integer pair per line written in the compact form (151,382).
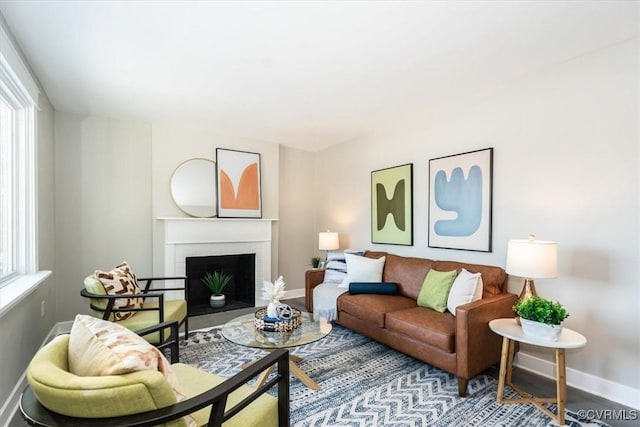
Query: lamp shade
(328,241)
(533,259)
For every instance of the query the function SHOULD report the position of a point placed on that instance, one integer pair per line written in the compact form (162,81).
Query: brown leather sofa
(462,344)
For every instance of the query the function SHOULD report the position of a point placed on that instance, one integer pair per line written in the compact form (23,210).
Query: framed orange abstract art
(238,176)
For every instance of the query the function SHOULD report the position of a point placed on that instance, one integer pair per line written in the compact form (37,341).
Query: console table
(512,332)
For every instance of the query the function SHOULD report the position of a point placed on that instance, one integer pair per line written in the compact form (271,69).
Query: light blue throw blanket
(325,297)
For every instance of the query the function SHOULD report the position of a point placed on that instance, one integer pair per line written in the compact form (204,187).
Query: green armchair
(56,397)
(156,307)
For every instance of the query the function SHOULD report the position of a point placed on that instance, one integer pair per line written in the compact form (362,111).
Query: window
(7,234)
(18,103)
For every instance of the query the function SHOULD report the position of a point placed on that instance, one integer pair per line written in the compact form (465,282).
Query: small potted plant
(541,318)
(216,283)
(315,261)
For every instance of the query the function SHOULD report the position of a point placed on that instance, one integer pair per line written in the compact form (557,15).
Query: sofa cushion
(494,279)
(407,272)
(435,289)
(361,269)
(174,309)
(372,308)
(423,324)
(263,411)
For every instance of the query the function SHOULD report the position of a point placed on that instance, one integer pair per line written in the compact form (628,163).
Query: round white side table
(512,332)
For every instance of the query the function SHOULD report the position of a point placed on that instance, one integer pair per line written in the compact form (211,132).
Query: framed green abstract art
(392,205)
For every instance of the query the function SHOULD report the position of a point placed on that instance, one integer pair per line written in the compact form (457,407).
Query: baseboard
(609,390)
(10,407)
(294,293)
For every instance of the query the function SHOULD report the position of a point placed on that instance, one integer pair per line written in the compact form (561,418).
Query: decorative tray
(270,324)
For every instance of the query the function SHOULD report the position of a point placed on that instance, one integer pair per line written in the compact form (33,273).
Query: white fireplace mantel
(190,237)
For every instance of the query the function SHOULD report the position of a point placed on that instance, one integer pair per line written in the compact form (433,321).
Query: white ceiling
(306,74)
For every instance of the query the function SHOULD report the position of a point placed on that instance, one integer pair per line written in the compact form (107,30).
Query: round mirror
(193,187)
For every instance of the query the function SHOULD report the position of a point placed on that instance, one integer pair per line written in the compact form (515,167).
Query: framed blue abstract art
(392,205)
(460,188)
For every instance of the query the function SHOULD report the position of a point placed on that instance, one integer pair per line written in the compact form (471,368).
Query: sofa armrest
(477,347)
(312,278)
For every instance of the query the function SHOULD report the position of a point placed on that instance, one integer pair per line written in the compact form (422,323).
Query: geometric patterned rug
(364,383)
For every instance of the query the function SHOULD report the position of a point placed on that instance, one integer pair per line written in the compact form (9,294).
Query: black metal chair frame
(146,292)
(36,414)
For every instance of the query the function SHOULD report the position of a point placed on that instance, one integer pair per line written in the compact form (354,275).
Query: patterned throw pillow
(336,268)
(335,271)
(99,347)
(121,281)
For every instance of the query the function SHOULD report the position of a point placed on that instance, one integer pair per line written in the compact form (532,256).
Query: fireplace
(239,292)
(183,238)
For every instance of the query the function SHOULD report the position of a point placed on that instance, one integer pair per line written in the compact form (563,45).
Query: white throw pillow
(362,269)
(465,289)
(99,347)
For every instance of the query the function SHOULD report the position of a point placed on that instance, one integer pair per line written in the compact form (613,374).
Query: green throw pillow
(435,289)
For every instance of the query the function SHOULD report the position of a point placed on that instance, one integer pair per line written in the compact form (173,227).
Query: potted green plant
(215,283)
(315,261)
(541,318)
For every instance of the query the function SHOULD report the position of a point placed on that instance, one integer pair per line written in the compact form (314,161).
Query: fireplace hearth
(239,292)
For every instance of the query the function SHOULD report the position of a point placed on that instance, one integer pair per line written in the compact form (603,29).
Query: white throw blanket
(325,297)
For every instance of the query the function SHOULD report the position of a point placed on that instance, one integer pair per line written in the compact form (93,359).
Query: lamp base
(528,290)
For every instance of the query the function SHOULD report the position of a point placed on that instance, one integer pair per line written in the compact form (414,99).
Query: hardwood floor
(593,406)
(577,400)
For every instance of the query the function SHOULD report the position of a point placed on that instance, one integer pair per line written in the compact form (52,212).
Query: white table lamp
(532,259)
(328,241)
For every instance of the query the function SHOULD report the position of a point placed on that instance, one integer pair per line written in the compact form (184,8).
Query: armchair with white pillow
(103,374)
(116,295)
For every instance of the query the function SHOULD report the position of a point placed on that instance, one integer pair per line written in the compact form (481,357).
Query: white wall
(103,202)
(112,182)
(297,214)
(565,167)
